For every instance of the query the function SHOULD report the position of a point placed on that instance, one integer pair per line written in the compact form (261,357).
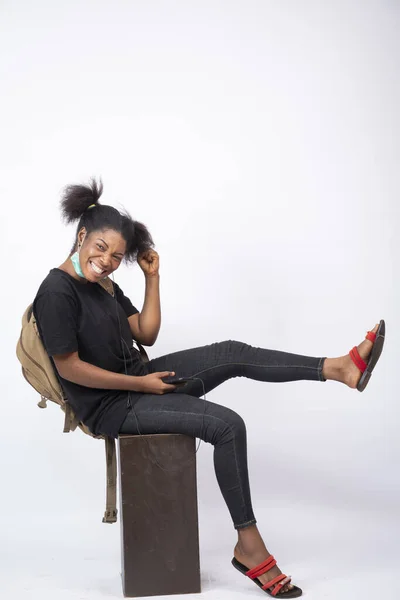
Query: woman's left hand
(149,262)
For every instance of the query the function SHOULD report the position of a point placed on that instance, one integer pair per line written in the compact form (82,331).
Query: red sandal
(277,583)
(366,369)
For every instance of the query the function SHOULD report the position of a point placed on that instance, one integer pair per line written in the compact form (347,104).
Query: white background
(259,142)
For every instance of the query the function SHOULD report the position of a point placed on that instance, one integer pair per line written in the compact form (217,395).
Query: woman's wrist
(137,383)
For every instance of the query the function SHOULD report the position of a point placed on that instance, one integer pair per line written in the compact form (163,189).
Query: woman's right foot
(253,559)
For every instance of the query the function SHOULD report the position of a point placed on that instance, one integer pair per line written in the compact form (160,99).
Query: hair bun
(78,198)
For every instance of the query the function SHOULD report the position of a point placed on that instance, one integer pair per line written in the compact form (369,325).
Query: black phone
(174,380)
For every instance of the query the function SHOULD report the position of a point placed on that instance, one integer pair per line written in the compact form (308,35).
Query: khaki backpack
(39,372)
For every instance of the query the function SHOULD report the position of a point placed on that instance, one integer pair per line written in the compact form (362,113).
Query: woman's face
(101,253)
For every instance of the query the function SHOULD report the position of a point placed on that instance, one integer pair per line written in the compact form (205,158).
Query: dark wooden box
(158,515)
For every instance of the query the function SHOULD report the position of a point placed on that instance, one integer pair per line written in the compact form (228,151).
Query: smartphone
(174,380)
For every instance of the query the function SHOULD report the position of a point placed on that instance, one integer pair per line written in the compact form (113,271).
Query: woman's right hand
(153,384)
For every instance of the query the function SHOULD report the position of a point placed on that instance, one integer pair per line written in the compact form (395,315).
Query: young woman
(88,334)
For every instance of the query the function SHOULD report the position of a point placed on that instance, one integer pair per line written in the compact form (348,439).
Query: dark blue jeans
(182,411)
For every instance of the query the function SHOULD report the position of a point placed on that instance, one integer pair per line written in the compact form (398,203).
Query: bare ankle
(250,541)
(333,369)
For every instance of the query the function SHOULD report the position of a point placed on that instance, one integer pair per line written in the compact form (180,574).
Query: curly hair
(81,203)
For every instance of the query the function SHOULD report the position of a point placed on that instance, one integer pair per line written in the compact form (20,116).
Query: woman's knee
(233,346)
(233,426)
(232,343)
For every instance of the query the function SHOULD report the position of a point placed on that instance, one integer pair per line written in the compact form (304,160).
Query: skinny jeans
(183,411)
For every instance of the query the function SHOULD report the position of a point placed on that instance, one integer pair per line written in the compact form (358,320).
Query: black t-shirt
(82,316)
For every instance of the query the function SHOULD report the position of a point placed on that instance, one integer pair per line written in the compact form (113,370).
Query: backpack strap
(70,421)
(67,420)
(143,353)
(110,516)
(108,285)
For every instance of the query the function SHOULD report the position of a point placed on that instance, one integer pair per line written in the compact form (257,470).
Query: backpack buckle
(110,516)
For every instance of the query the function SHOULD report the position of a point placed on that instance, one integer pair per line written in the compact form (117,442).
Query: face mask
(76,264)
(75,261)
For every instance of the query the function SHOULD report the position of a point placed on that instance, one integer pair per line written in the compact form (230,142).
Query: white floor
(331,553)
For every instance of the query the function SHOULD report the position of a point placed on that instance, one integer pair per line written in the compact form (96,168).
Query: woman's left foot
(350,372)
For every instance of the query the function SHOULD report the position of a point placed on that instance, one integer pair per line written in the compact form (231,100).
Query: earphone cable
(132,409)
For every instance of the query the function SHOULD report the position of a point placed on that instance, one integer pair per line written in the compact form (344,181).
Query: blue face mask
(77,264)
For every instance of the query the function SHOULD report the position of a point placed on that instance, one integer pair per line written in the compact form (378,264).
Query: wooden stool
(158,514)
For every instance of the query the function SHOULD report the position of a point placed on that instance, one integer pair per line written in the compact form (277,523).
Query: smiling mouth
(96,269)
